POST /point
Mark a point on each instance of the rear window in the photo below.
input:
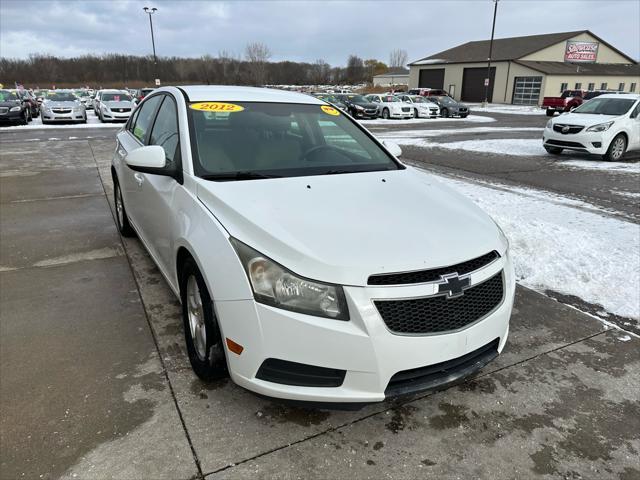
(280, 140)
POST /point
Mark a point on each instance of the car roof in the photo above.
(634, 96)
(220, 93)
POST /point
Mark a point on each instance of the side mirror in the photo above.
(147, 159)
(393, 148)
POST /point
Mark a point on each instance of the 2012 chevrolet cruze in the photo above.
(311, 264)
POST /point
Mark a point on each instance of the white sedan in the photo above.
(390, 106)
(422, 107)
(608, 125)
(275, 218)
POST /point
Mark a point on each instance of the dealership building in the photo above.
(526, 69)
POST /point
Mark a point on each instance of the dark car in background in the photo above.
(450, 107)
(141, 93)
(332, 99)
(358, 106)
(27, 97)
(13, 109)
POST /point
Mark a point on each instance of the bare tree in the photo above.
(355, 69)
(398, 58)
(320, 72)
(257, 55)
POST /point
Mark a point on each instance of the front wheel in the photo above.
(616, 149)
(464, 115)
(415, 113)
(201, 329)
(121, 213)
(445, 112)
(24, 119)
(385, 114)
(553, 150)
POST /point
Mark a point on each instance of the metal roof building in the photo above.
(526, 69)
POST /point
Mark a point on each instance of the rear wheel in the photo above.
(121, 213)
(415, 113)
(385, 114)
(553, 150)
(24, 119)
(201, 329)
(550, 113)
(445, 112)
(616, 149)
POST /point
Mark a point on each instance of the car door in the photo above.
(634, 120)
(129, 139)
(155, 206)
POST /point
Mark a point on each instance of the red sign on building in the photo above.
(585, 52)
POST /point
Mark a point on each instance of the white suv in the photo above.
(390, 106)
(608, 125)
(275, 218)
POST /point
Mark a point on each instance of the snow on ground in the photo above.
(506, 108)
(422, 133)
(558, 245)
(502, 146)
(621, 167)
(36, 124)
(413, 121)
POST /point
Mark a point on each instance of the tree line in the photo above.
(253, 68)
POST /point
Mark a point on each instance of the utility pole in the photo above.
(488, 79)
(151, 11)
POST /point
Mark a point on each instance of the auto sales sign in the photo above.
(584, 52)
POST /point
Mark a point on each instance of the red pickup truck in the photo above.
(566, 102)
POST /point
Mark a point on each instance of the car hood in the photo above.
(62, 104)
(112, 104)
(10, 103)
(584, 119)
(344, 228)
(366, 105)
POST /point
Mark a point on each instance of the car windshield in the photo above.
(61, 97)
(390, 99)
(81, 93)
(606, 106)
(7, 96)
(358, 99)
(266, 140)
(447, 100)
(115, 97)
(419, 100)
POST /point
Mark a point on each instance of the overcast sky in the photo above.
(299, 30)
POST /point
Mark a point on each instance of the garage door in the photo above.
(431, 78)
(526, 90)
(473, 84)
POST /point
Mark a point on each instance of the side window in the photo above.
(132, 122)
(144, 117)
(165, 129)
(636, 111)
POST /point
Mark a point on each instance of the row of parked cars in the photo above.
(416, 103)
(21, 106)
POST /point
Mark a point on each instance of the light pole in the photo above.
(488, 79)
(151, 11)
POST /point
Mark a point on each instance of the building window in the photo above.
(526, 90)
(563, 87)
(621, 87)
(592, 86)
(578, 86)
(603, 86)
(632, 88)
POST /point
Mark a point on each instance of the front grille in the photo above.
(562, 143)
(299, 374)
(121, 110)
(441, 374)
(437, 314)
(4, 110)
(371, 111)
(406, 109)
(560, 128)
(61, 110)
(462, 109)
(424, 276)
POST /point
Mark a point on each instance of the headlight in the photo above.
(274, 285)
(601, 127)
(104, 107)
(549, 124)
(358, 107)
(15, 109)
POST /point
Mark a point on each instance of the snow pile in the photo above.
(501, 146)
(620, 167)
(413, 121)
(508, 109)
(422, 133)
(558, 245)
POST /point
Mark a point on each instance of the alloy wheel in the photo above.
(119, 206)
(197, 327)
(617, 149)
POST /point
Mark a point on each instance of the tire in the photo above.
(464, 115)
(385, 113)
(201, 330)
(415, 113)
(553, 150)
(24, 120)
(550, 113)
(122, 221)
(445, 112)
(617, 149)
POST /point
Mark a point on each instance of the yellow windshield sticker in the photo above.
(216, 107)
(329, 110)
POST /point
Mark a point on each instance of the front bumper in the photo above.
(363, 346)
(11, 116)
(51, 116)
(428, 112)
(400, 114)
(588, 142)
(111, 115)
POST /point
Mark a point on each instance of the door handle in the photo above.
(139, 179)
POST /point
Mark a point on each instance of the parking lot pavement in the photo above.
(560, 401)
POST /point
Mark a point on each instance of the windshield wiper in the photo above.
(244, 175)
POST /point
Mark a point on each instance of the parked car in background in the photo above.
(141, 93)
(114, 105)
(84, 97)
(63, 106)
(358, 106)
(13, 109)
(390, 106)
(450, 107)
(275, 220)
(28, 97)
(422, 107)
(428, 92)
(95, 102)
(608, 125)
(40, 94)
(566, 102)
(333, 100)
